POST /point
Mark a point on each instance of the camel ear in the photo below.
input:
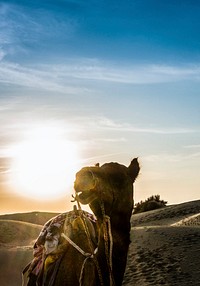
(134, 169)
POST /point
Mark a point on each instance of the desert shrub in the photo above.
(151, 203)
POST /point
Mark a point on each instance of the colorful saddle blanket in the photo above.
(50, 246)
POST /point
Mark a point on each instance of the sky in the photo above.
(92, 81)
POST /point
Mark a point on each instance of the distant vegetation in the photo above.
(152, 203)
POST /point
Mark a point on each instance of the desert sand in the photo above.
(164, 249)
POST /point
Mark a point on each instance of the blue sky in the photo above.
(120, 79)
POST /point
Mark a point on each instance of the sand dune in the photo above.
(165, 247)
(16, 241)
(168, 215)
(17, 233)
(164, 256)
(32, 217)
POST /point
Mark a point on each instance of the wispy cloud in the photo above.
(94, 69)
(137, 74)
(15, 74)
(4, 165)
(99, 157)
(21, 28)
(194, 146)
(73, 76)
(107, 123)
(164, 157)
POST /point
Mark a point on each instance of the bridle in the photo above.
(108, 240)
(107, 232)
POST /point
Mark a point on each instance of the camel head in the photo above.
(110, 184)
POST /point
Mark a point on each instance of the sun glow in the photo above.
(45, 164)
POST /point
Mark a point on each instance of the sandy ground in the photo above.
(165, 247)
(16, 242)
(12, 261)
(164, 256)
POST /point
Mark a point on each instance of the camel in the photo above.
(96, 252)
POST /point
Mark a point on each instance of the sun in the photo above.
(44, 164)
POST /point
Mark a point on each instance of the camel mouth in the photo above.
(86, 197)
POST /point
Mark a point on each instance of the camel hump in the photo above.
(80, 222)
